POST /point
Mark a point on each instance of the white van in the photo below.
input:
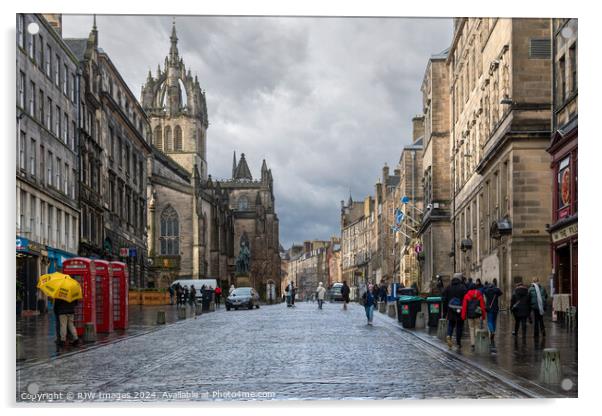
(198, 283)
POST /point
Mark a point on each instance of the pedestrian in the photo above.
(369, 300)
(186, 293)
(452, 303)
(179, 295)
(473, 311)
(231, 289)
(218, 294)
(289, 294)
(66, 311)
(320, 292)
(293, 294)
(345, 294)
(383, 291)
(192, 296)
(171, 294)
(520, 308)
(492, 295)
(479, 286)
(537, 301)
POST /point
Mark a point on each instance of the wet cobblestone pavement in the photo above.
(269, 353)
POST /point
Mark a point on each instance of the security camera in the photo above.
(429, 206)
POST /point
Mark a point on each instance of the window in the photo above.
(178, 139)
(49, 113)
(32, 157)
(112, 194)
(112, 142)
(21, 89)
(57, 71)
(22, 151)
(41, 52)
(120, 155)
(21, 30)
(65, 79)
(170, 232)
(84, 218)
(32, 216)
(50, 169)
(32, 99)
(168, 142)
(73, 88)
(73, 134)
(66, 180)
(65, 128)
(243, 203)
(42, 163)
(43, 230)
(59, 226)
(158, 138)
(41, 106)
(31, 47)
(67, 224)
(562, 80)
(21, 209)
(57, 122)
(50, 224)
(127, 159)
(573, 62)
(73, 182)
(47, 59)
(59, 173)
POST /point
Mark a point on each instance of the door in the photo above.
(574, 273)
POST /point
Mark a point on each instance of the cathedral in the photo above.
(196, 226)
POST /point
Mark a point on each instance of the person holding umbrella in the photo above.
(66, 312)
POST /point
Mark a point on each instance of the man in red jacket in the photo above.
(218, 294)
(473, 309)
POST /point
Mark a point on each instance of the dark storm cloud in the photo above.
(326, 101)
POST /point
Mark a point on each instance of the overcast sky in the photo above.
(326, 101)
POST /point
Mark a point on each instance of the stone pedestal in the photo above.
(182, 313)
(551, 372)
(392, 310)
(442, 329)
(482, 341)
(89, 333)
(19, 352)
(382, 307)
(160, 317)
(420, 320)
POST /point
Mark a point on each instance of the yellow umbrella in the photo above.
(60, 286)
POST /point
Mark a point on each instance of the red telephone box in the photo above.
(104, 296)
(120, 295)
(83, 270)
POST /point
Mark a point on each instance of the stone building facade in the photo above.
(47, 100)
(435, 228)
(564, 151)
(500, 83)
(357, 228)
(309, 267)
(190, 224)
(410, 186)
(114, 149)
(255, 221)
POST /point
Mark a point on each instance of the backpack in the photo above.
(473, 308)
(455, 305)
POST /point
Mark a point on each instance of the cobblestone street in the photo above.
(269, 353)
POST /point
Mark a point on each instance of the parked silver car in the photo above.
(243, 297)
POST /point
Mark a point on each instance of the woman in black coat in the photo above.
(520, 308)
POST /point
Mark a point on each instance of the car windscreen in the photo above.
(244, 291)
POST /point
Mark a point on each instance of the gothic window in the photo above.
(158, 138)
(178, 139)
(243, 203)
(170, 232)
(168, 140)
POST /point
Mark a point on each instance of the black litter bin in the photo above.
(407, 309)
(434, 304)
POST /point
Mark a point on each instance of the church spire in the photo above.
(173, 50)
(234, 164)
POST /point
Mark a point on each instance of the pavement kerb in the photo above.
(99, 344)
(531, 392)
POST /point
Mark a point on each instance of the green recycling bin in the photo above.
(407, 309)
(434, 307)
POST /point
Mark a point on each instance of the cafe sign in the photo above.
(565, 232)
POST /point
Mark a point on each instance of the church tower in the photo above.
(177, 112)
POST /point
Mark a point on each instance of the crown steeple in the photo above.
(173, 50)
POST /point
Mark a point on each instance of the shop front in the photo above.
(28, 262)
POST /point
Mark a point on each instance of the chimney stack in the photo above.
(417, 128)
(56, 21)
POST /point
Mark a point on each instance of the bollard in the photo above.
(20, 353)
(382, 307)
(442, 329)
(160, 317)
(482, 341)
(89, 332)
(392, 310)
(551, 372)
(182, 313)
(420, 320)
